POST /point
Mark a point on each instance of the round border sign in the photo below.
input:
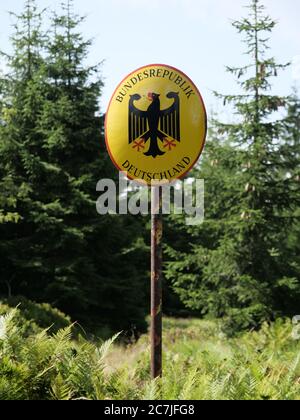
(155, 125)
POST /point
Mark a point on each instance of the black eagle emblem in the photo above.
(154, 124)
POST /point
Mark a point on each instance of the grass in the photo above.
(199, 363)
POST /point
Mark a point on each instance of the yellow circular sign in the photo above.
(156, 124)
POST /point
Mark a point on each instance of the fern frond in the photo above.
(60, 390)
(151, 392)
(293, 368)
(102, 352)
(5, 323)
(188, 386)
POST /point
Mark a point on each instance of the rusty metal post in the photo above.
(156, 281)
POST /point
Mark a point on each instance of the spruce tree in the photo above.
(292, 137)
(292, 155)
(62, 251)
(237, 266)
(22, 157)
(98, 276)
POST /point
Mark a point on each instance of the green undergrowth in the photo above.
(199, 363)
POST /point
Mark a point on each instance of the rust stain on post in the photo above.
(156, 282)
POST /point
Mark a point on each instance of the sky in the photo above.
(195, 36)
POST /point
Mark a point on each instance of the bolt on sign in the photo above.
(156, 125)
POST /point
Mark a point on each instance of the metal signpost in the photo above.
(156, 281)
(155, 130)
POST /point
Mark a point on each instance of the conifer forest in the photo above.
(75, 285)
